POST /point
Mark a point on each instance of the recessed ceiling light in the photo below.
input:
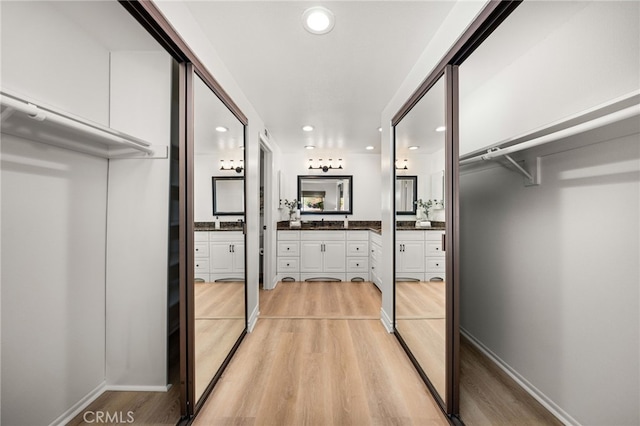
(309, 147)
(441, 129)
(318, 20)
(307, 128)
(412, 148)
(369, 148)
(221, 129)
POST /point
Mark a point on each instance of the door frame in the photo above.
(269, 279)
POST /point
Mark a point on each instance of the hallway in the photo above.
(312, 363)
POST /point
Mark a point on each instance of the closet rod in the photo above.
(41, 114)
(570, 131)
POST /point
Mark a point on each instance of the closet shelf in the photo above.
(617, 110)
(47, 125)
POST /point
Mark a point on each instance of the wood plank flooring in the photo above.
(310, 362)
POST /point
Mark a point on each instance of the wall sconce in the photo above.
(238, 169)
(402, 168)
(325, 168)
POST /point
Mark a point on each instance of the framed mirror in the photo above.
(228, 195)
(325, 194)
(406, 194)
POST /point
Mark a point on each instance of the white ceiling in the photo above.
(339, 82)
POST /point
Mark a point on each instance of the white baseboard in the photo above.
(134, 388)
(386, 321)
(553, 408)
(253, 319)
(77, 408)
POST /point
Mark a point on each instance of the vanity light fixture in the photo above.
(369, 148)
(222, 129)
(318, 20)
(379, 129)
(441, 129)
(413, 148)
(402, 168)
(307, 128)
(325, 168)
(238, 169)
(309, 147)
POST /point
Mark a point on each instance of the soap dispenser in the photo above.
(217, 223)
(346, 222)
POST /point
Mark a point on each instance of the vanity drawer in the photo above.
(358, 264)
(201, 236)
(322, 235)
(226, 236)
(434, 235)
(201, 250)
(434, 248)
(288, 235)
(357, 235)
(288, 264)
(288, 248)
(435, 265)
(201, 266)
(357, 248)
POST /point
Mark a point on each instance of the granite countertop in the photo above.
(224, 226)
(358, 225)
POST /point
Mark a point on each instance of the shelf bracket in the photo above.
(531, 176)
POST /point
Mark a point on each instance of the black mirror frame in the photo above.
(336, 177)
(213, 195)
(414, 207)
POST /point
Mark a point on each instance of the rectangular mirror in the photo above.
(325, 194)
(228, 195)
(406, 194)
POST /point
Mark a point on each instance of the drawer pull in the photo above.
(287, 264)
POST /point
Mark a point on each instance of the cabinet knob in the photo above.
(197, 249)
(287, 264)
(357, 248)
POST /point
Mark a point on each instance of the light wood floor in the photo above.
(310, 362)
(219, 321)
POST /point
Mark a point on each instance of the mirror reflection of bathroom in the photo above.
(219, 287)
(420, 257)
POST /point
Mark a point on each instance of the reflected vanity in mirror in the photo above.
(420, 281)
(406, 194)
(219, 242)
(228, 195)
(325, 194)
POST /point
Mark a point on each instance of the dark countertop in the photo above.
(357, 225)
(224, 226)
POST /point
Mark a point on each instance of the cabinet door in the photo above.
(412, 256)
(310, 256)
(237, 250)
(221, 257)
(334, 256)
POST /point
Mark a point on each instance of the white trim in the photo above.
(562, 415)
(77, 408)
(386, 321)
(253, 319)
(134, 388)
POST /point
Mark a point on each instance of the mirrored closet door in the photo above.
(218, 314)
(420, 267)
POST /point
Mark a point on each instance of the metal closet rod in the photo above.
(569, 131)
(38, 113)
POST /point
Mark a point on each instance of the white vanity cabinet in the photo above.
(219, 255)
(322, 255)
(435, 256)
(374, 258)
(358, 256)
(288, 256)
(410, 255)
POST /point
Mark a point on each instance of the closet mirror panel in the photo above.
(219, 285)
(420, 257)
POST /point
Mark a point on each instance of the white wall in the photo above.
(549, 61)
(424, 166)
(53, 278)
(53, 60)
(550, 278)
(365, 169)
(456, 22)
(137, 225)
(182, 20)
